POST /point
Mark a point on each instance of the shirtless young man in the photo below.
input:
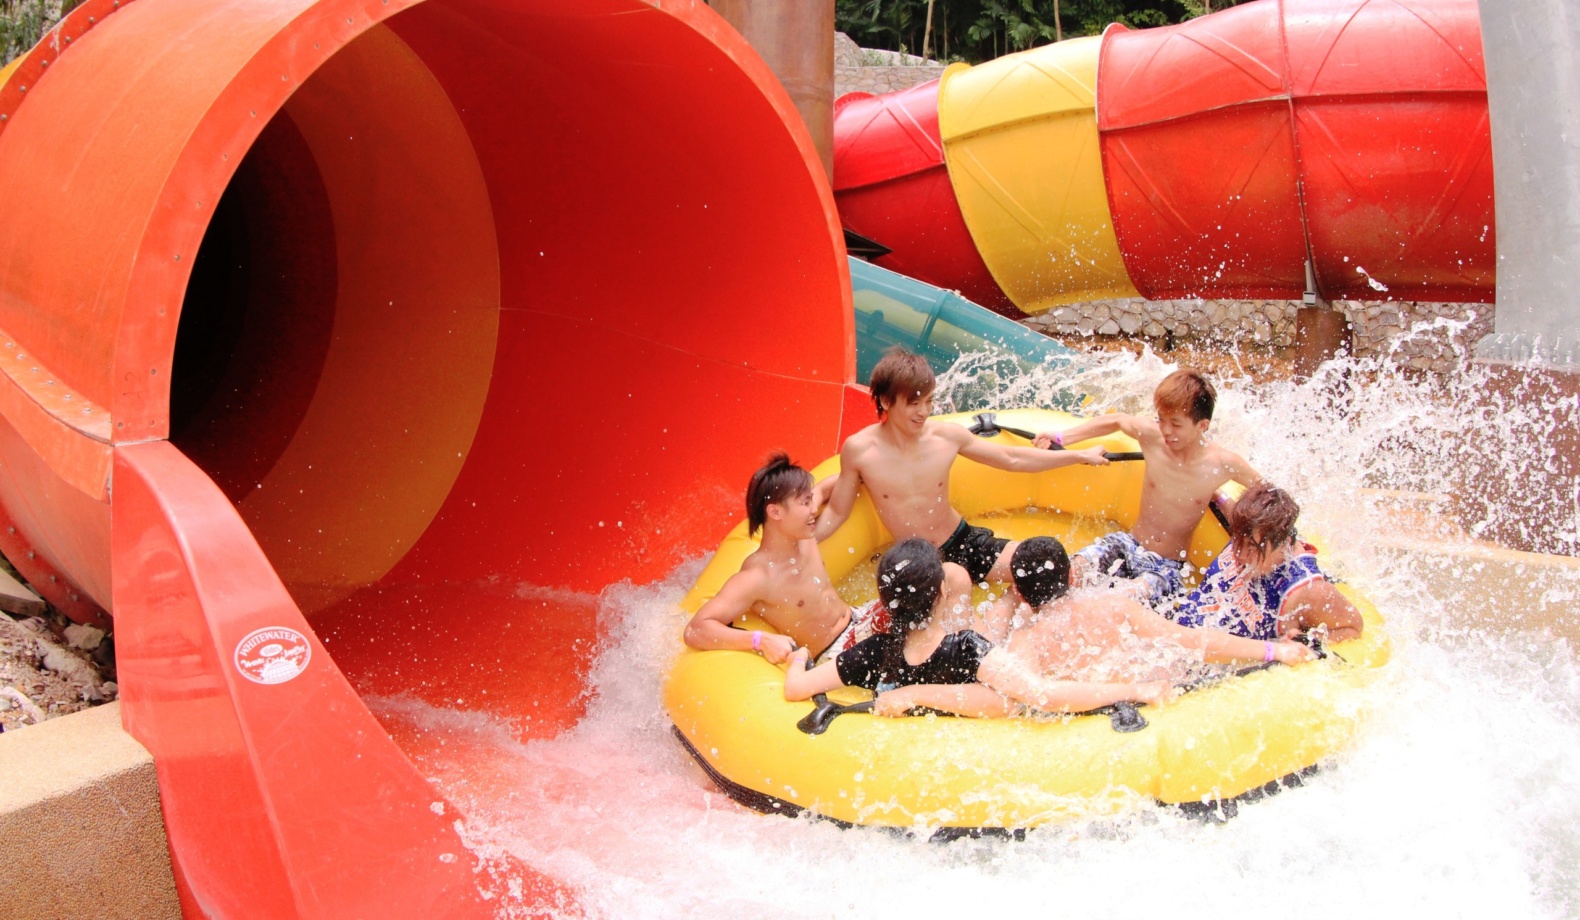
(1101, 637)
(1183, 472)
(784, 582)
(904, 462)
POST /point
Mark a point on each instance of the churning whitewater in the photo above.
(1457, 799)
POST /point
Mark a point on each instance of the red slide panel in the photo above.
(356, 345)
(1355, 130)
(1198, 149)
(892, 187)
(279, 744)
(1395, 147)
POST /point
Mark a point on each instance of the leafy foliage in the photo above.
(24, 22)
(979, 30)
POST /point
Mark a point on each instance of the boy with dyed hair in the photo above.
(904, 461)
(1183, 471)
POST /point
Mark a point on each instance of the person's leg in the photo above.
(1102, 563)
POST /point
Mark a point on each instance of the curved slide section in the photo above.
(1209, 159)
(300, 352)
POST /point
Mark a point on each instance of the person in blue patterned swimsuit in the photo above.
(1266, 584)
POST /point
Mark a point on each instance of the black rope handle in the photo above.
(985, 425)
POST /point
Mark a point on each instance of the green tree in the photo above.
(24, 22)
(979, 30)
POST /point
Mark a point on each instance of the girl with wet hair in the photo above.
(929, 657)
(932, 659)
(1266, 584)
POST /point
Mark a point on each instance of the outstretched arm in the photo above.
(1317, 603)
(978, 701)
(1093, 428)
(1216, 646)
(1019, 459)
(801, 684)
(1007, 674)
(710, 628)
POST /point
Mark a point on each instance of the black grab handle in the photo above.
(825, 711)
(985, 425)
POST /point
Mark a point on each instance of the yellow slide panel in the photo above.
(1020, 140)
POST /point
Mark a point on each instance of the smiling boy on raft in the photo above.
(785, 582)
(1183, 473)
(904, 461)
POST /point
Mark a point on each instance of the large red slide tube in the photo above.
(331, 330)
(1235, 147)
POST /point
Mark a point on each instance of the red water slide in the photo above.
(331, 330)
(1233, 148)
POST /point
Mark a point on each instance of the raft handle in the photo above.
(825, 711)
(985, 425)
(1126, 718)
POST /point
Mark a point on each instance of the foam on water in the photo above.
(1457, 799)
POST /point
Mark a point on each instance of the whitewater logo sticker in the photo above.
(273, 655)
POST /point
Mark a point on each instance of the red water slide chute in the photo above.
(1234, 147)
(342, 327)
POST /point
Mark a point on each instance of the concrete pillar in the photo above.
(1532, 50)
(1533, 69)
(796, 38)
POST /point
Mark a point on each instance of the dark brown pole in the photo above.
(796, 38)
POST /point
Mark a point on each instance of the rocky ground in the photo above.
(50, 667)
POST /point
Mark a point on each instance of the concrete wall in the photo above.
(81, 832)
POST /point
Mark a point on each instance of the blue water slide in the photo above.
(939, 325)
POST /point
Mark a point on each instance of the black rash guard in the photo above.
(868, 663)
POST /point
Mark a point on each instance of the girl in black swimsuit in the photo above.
(918, 650)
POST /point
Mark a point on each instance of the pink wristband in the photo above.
(1058, 438)
(757, 644)
(1268, 654)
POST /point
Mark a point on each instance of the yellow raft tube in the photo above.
(1209, 746)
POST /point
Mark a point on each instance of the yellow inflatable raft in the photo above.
(1213, 745)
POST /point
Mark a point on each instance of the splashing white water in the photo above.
(1456, 801)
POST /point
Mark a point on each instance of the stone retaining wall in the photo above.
(1379, 327)
(862, 70)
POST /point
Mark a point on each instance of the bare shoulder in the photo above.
(754, 572)
(949, 433)
(1223, 458)
(1102, 604)
(1144, 430)
(857, 448)
(860, 442)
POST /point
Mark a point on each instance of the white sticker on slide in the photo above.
(273, 655)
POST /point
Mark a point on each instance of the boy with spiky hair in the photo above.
(1183, 472)
(785, 582)
(904, 462)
